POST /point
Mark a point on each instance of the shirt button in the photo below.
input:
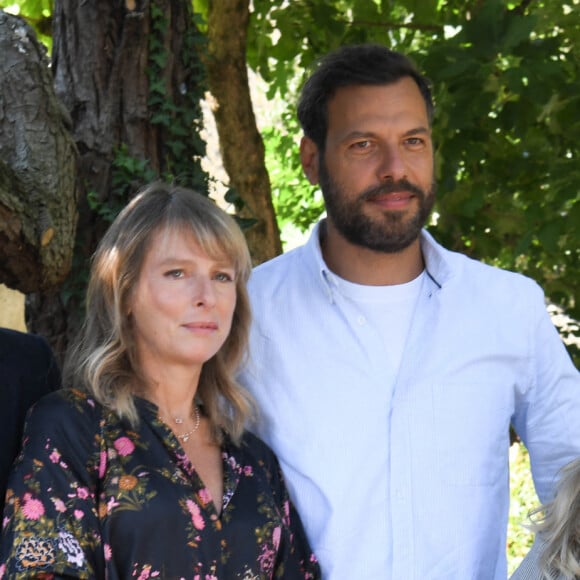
(361, 320)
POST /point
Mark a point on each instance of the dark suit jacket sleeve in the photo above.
(28, 371)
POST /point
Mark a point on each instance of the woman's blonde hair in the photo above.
(558, 523)
(105, 361)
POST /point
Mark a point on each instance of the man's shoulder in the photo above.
(459, 268)
(488, 274)
(15, 341)
(28, 359)
(279, 263)
(285, 268)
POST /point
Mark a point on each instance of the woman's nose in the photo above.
(204, 292)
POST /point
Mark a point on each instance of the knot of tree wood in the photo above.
(45, 226)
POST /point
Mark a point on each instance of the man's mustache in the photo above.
(399, 186)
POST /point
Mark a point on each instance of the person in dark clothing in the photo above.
(28, 370)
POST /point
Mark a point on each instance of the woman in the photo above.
(555, 554)
(144, 469)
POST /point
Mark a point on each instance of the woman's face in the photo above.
(183, 303)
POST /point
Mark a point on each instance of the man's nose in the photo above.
(392, 164)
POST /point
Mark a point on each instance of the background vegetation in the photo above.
(505, 76)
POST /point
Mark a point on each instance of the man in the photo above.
(388, 369)
(28, 370)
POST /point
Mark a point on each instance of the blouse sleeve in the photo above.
(51, 526)
(295, 559)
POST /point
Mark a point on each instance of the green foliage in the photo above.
(38, 13)
(507, 132)
(523, 499)
(129, 173)
(293, 197)
(179, 117)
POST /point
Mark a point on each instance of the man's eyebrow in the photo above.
(417, 131)
(369, 134)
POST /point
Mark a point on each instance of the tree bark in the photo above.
(37, 169)
(241, 144)
(100, 67)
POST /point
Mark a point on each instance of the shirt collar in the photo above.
(322, 272)
(437, 261)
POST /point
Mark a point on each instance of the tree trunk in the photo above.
(102, 55)
(37, 166)
(241, 144)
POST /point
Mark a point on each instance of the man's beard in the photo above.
(390, 232)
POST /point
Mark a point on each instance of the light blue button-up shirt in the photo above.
(409, 480)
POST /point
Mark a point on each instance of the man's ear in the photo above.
(309, 158)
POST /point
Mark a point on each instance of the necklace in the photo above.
(179, 421)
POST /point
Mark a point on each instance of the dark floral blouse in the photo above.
(89, 497)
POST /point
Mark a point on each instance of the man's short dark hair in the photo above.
(363, 64)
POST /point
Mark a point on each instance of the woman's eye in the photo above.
(174, 274)
(224, 277)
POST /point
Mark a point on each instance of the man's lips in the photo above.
(393, 200)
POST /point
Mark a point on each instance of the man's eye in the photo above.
(362, 144)
(414, 141)
(174, 273)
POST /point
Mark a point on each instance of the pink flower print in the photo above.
(54, 456)
(248, 472)
(145, 572)
(124, 446)
(102, 464)
(286, 516)
(59, 505)
(2, 570)
(266, 558)
(32, 508)
(79, 515)
(196, 516)
(111, 504)
(276, 534)
(204, 495)
(83, 492)
(5, 522)
(108, 552)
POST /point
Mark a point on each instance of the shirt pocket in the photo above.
(471, 423)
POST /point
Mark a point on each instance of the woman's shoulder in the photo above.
(66, 413)
(71, 402)
(256, 451)
(254, 444)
